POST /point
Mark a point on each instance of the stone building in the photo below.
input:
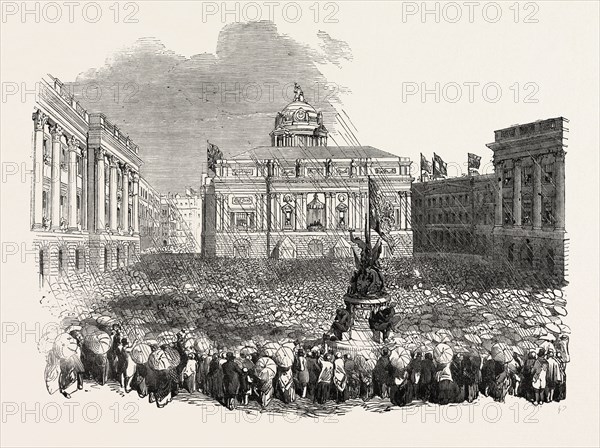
(85, 202)
(299, 197)
(516, 214)
(529, 225)
(150, 210)
(454, 215)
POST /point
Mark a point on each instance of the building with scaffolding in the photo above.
(299, 197)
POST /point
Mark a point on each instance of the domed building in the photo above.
(299, 197)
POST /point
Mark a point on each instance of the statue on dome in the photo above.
(298, 93)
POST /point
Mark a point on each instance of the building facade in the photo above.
(516, 214)
(85, 202)
(454, 215)
(150, 230)
(299, 197)
(529, 227)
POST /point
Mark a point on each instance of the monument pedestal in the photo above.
(360, 337)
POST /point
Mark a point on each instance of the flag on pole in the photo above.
(381, 213)
(440, 168)
(425, 165)
(213, 153)
(474, 161)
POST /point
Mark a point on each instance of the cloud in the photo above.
(170, 104)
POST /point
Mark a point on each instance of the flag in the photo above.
(213, 153)
(381, 213)
(474, 161)
(440, 168)
(425, 165)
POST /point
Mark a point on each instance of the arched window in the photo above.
(315, 248)
(527, 254)
(118, 257)
(510, 253)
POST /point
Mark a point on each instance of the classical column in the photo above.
(274, 212)
(56, 132)
(517, 193)
(37, 215)
(226, 214)
(498, 206)
(112, 192)
(100, 190)
(125, 199)
(537, 193)
(402, 223)
(559, 189)
(72, 183)
(408, 211)
(135, 209)
(84, 199)
(219, 212)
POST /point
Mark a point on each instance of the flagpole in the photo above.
(421, 165)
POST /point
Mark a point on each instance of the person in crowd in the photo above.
(313, 373)
(71, 370)
(111, 355)
(540, 369)
(554, 375)
(265, 387)
(340, 378)
(472, 376)
(400, 389)
(457, 366)
(427, 378)
(205, 370)
(488, 377)
(200, 372)
(413, 370)
(322, 391)
(215, 378)
(515, 367)
(139, 382)
(527, 377)
(246, 385)
(561, 390)
(231, 380)
(285, 385)
(302, 375)
(382, 374)
(353, 377)
(188, 374)
(80, 370)
(501, 383)
(342, 323)
(381, 323)
(125, 365)
(444, 389)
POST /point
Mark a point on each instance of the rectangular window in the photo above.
(548, 172)
(526, 212)
(547, 212)
(527, 175)
(507, 177)
(507, 208)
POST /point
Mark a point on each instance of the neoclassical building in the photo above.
(299, 197)
(516, 214)
(85, 201)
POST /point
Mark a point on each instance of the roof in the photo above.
(312, 152)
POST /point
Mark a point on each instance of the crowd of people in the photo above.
(289, 370)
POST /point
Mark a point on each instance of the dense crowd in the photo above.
(161, 366)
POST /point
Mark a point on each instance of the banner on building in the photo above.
(440, 168)
(213, 153)
(474, 161)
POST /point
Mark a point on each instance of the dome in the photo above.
(299, 124)
(298, 112)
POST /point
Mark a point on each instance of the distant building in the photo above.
(516, 214)
(299, 197)
(187, 213)
(150, 209)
